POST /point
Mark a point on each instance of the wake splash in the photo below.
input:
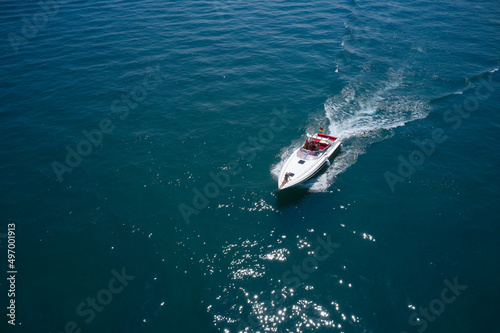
(361, 116)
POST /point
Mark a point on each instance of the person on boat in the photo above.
(287, 178)
(306, 145)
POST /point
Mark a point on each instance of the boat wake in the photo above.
(361, 116)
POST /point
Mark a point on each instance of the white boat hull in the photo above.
(302, 165)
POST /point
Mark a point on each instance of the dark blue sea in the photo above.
(141, 142)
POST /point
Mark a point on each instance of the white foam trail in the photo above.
(361, 117)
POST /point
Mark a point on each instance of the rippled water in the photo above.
(145, 139)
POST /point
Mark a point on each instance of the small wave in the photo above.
(481, 76)
(447, 95)
(471, 84)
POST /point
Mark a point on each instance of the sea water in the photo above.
(141, 143)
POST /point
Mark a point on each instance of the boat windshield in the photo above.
(309, 155)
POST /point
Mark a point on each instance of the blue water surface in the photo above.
(141, 144)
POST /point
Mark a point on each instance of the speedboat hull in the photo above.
(305, 162)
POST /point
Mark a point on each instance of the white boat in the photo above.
(308, 160)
